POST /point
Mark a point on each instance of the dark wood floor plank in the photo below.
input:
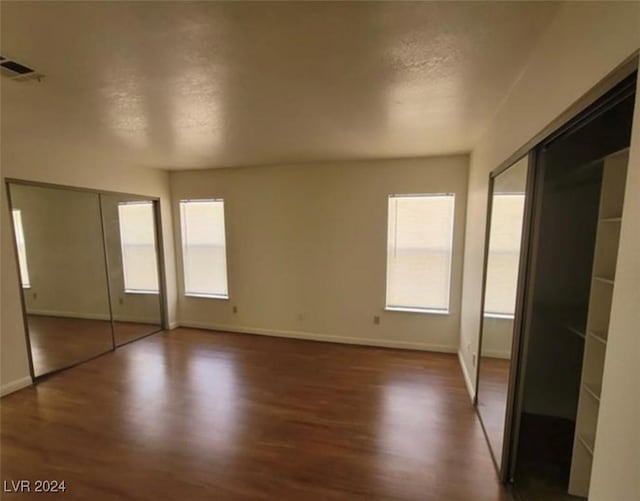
(193, 415)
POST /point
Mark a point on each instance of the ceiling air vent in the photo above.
(17, 71)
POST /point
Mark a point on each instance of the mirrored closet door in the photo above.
(88, 266)
(502, 265)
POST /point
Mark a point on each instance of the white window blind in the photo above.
(138, 247)
(419, 248)
(22, 251)
(204, 251)
(505, 235)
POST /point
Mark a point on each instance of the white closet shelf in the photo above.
(598, 336)
(603, 274)
(604, 280)
(611, 219)
(587, 441)
(575, 330)
(593, 389)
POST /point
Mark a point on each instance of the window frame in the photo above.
(202, 295)
(498, 314)
(23, 262)
(122, 252)
(413, 309)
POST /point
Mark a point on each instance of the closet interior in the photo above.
(578, 201)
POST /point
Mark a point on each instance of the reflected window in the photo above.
(504, 254)
(22, 251)
(204, 253)
(419, 251)
(137, 240)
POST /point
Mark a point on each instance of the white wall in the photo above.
(67, 166)
(306, 249)
(582, 45)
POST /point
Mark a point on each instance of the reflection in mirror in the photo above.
(62, 270)
(130, 237)
(501, 279)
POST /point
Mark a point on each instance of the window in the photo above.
(138, 247)
(504, 255)
(204, 251)
(419, 248)
(22, 251)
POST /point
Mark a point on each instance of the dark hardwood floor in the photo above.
(197, 415)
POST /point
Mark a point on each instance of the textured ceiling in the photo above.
(191, 85)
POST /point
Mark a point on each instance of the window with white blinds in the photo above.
(22, 251)
(138, 247)
(503, 258)
(419, 252)
(204, 251)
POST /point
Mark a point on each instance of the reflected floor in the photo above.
(126, 332)
(492, 398)
(57, 342)
(199, 415)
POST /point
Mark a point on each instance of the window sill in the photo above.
(207, 296)
(431, 311)
(134, 291)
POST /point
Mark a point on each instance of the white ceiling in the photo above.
(191, 85)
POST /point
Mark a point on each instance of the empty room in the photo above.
(320, 250)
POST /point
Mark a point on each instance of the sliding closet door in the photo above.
(58, 236)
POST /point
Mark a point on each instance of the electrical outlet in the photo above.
(235, 309)
(376, 320)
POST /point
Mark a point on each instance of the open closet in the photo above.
(566, 282)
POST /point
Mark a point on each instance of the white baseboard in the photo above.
(136, 320)
(94, 316)
(313, 336)
(173, 325)
(16, 385)
(467, 379)
(70, 314)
